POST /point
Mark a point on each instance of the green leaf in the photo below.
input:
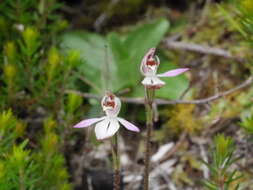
(92, 50)
(142, 39)
(124, 56)
(120, 56)
(210, 185)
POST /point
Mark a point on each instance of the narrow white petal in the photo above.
(106, 128)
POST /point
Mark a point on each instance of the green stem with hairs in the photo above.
(116, 163)
(149, 97)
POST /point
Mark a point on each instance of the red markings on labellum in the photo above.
(109, 104)
(109, 100)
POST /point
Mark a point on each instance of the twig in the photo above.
(171, 102)
(205, 158)
(200, 49)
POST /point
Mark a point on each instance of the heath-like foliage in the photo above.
(223, 177)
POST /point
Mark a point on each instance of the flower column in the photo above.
(151, 82)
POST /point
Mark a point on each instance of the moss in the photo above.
(180, 119)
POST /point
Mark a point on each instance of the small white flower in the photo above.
(108, 125)
(148, 68)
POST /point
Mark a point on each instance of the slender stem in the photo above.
(21, 179)
(106, 70)
(149, 97)
(116, 163)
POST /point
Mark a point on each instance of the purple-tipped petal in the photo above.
(128, 125)
(87, 122)
(173, 73)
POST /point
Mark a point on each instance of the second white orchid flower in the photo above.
(148, 68)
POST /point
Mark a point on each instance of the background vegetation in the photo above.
(57, 58)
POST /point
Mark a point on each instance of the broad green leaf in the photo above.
(124, 56)
(140, 40)
(120, 55)
(93, 50)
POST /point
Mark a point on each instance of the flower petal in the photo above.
(153, 82)
(173, 73)
(106, 128)
(87, 122)
(128, 125)
(149, 54)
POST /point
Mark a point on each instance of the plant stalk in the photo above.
(116, 163)
(149, 97)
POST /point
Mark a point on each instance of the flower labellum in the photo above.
(108, 125)
(148, 68)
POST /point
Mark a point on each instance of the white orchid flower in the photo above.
(108, 125)
(148, 68)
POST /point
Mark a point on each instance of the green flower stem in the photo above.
(116, 163)
(149, 97)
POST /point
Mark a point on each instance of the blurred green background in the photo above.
(53, 51)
